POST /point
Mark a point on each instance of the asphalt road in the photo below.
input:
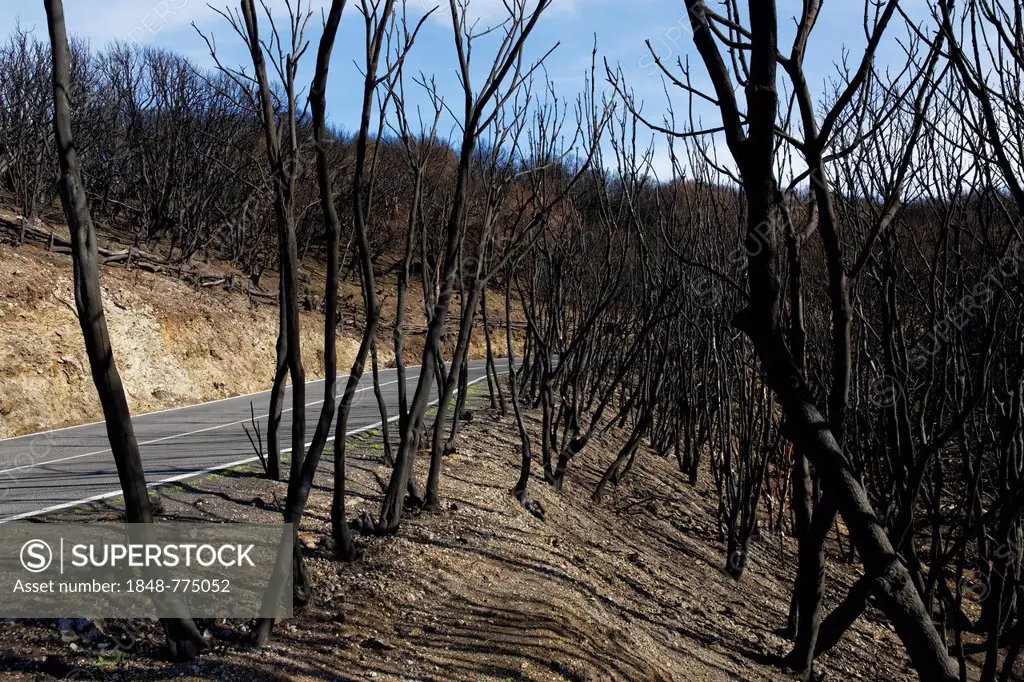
(63, 468)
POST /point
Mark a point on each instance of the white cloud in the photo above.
(486, 12)
(102, 21)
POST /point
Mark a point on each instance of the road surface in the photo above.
(51, 470)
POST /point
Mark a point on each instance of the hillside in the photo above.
(759, 280)
(629, 589)
(175, 343)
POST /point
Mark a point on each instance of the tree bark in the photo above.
(183, 638)
(277, 395)
(753, 148)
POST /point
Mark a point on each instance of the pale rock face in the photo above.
(173, 345)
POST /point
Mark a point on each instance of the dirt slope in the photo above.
(174, 344)
(628, 589)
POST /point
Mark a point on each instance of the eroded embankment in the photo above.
(174, 344)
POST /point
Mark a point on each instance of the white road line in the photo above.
(171, 437)
(186, 407)
(146, 414)
(202, 472)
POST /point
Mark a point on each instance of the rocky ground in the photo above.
(626, 589)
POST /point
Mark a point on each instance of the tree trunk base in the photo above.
(432, 503)
(528, 504)
(184, 641)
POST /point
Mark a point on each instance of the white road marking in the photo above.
(171, 437)
(146, 414)
(186, 407)
(202, 472)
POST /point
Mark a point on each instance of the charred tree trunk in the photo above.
(493, 377)
(183, 638)
(344, 546)
(277, 395)
(752, 147)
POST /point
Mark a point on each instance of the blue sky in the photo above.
(621, 27)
